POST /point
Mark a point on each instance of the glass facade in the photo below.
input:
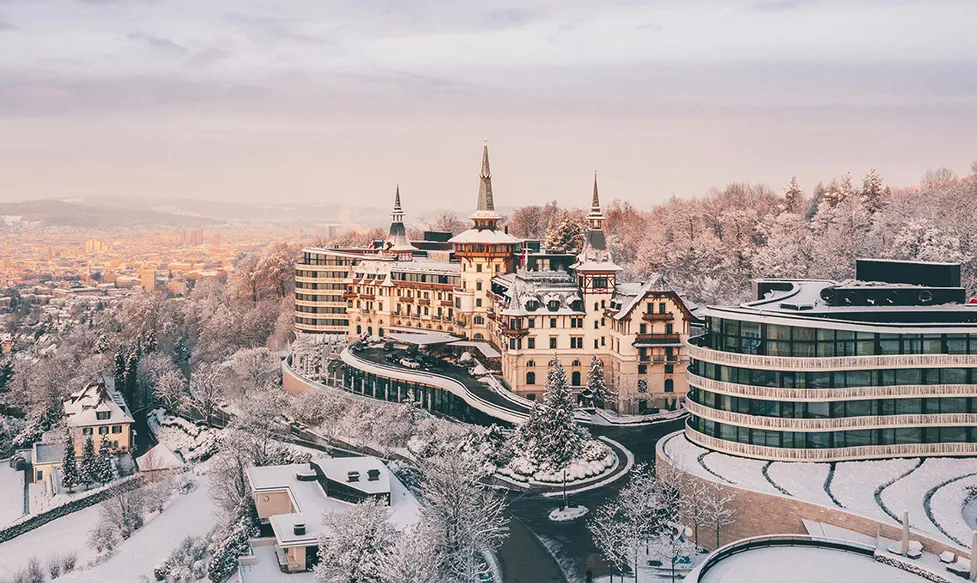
(760, 338)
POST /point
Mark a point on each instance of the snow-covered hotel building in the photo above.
(526, 304)
(884, 365)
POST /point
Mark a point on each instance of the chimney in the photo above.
(373, 475)
(353, 476)
(299, 528)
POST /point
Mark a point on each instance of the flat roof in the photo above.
(804, 565)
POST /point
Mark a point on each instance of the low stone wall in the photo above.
(30, 523)
(759, 514)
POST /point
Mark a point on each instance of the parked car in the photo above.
(388, 346)
(409, 363)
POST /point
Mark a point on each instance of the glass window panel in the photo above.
(817, 410)
(819, 439)
(825, 335)
(731, 327)
(858, 408)
(931, 435)
(773, 438)
(912, 344)
(819, 379)
(956, 343)
(778, 348)
(909, 376)
(909, 435)
(804, 349)
(826, 349)
(952, 404)
(750, 329)
(889, 343)
(858, 378)
(888, 378)
(775, 332)
(931, 406)
(858, 438)
(909, 406)
(727, 432)
(837, 409)
(844, 335)
(865, 347)
(953, 376)
(804, 334)
(953, 434)
(932, 344)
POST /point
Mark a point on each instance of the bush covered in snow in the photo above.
(595, 459)
(185, 564)
(232, 542)
(194, 442)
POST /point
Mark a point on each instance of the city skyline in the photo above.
(336, 102)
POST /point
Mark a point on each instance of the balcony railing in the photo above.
(829, 454)
(831, 363)
(405, 300)
(830, 394)
(657, 316)
(828, 423)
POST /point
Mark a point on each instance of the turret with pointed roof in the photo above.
(485, 229)
(594, 256)
(397, 241)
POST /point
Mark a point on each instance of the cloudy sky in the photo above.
(337, 100)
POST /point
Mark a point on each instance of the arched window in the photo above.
(596, 306)
(530, 363)
(479, 320)
(669, 386)
(530, 378)
(575, 378)
(359, 329)
(576, 362)
(479, 336)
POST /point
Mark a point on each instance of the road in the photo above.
(573, 546)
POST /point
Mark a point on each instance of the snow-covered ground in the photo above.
(805, 481)
(745, 473)
(947, 505)
(180, 435)
(189, 514)
(908, 494)
(855, 483)
(11, 494)
(63, 536)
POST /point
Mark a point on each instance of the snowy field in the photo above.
(941, 484)
(65, 535)
(11, 494)
(188, 515)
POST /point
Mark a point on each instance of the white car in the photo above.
(409, 363)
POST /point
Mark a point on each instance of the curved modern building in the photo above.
(884, 365)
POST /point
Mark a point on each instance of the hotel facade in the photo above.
(884, 365)
(528, 304)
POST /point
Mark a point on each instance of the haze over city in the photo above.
(323, 101)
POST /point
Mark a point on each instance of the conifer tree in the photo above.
(595, 381)
(873, 193)
(89, 462)
(793, 197)
(103, 462)
(69, 466)
(563, 436)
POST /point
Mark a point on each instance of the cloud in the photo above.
(5, 26)
(158, 43)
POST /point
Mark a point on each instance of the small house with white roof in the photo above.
(292, 499)
(98, 411)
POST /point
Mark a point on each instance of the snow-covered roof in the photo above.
(47, 453)
(540, 287)
(160, 458)
(83, 407)
(422, 339)
(310, 501)
(487, 236)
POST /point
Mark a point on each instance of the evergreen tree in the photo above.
(120, 370)
(89, 463)
(595, 381)
(793, 197)
(131, 377)
(234, 542)
(566, 233)
(873, 193)
(103, 462)
(69, 466)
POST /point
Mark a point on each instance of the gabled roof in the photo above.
(82, 407)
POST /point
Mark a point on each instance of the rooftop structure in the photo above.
(97, 411)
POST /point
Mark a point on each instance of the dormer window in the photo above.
(102, 415)
(553, 305)
(532, 305)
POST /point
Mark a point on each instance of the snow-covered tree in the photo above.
(276, 268)
(69, 466)
(923, 241)
(566, 233)
(413, 557)
(793, 197)
(595, 381)
(466, 517)
(253, 369)
(231, 542)
(873, 192)
(356, 543)
(208, 385)
(448, 221)
(693, 505)
(787, 251)
(103, 472)
(718, 509)
(88, 473)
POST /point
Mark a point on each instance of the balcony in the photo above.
(658, 316)
(645, 340)
(405, 300)
(514, 332)
(349, 295)
(424, 302)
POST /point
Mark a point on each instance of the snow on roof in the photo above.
(160, 458)
(484, 347)
(47, 453)
(310, 501)
(488, 236)
(83, 406)
(422, 339)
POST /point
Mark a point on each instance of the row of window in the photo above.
(102, 430)
(318, 259)
(321, 274)
(319, 298)
(575, 322)
(320, 309)
(339, 286)
(834, 409)
(834, 379)
(833, 439)
(452, 280)
(334, 322)
(777, 340)
(576, 342)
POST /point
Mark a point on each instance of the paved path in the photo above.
(525, 560)
(27, 490)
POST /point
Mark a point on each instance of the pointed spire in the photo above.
(595, 204)
(397, 199)
(485, 216)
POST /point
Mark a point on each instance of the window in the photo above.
(669, 386)
(115, 444)
(575, 378)
(116, 429)
(530, 378)
(530, 363)
(669, 368)
(478, 285)
(552, 341)
(478, 302)
(576, 362)
(552, 322)
(479, 320)
(596, 344)
(530, 343)
(102, 415)
(642, 329)
(642, 369)
(576, 342)
(86, 430)
(661, 307)
(478, 268)
(669, 328)
(553, 305)
(596, 325)
(103, 430)
(532, 322)
(40, 475)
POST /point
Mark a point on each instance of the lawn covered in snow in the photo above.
(65, 535)
(855, 483)
(745, 473)
(11, 494)
(947, 504)
(909, 493)
(802, 480)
